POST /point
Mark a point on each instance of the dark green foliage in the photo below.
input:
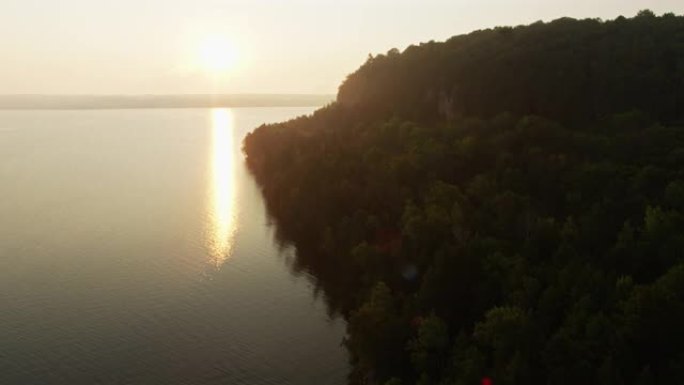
(509, 203)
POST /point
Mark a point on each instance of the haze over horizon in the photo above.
(236, 47)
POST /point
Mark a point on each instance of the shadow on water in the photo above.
(332, 280)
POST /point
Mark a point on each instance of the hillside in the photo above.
(506, 204)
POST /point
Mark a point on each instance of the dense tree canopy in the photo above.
(506, 204)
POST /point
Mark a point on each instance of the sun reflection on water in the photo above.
(222, 207)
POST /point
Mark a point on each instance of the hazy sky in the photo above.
(280, 46)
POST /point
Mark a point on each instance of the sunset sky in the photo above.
(258, 46)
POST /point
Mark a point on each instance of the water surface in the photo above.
(135, 249)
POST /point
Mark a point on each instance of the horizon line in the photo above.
(179, 94)
(117, 101)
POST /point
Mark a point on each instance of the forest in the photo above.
(507, 204)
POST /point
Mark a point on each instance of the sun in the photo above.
(218, 56)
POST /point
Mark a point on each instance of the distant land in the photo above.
(66, 102)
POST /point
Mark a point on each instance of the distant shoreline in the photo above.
(101, 102)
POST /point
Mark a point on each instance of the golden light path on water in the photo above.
(222, 210)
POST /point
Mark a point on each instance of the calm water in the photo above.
(135, 249)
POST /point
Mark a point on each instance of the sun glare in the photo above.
(218, 56)
(222, 209)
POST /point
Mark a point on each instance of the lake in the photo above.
(135, 249)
